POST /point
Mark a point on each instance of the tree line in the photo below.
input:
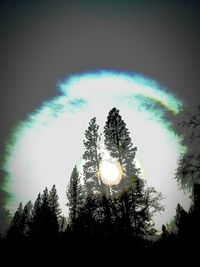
(104, 214)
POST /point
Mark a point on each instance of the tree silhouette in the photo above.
(15, 230)
(102, 214)
(26, 219)
(53, 202)
(75, 197)
(92, 158)
(36, 217)
(136, 204)
(44, 224)
(119, 145)
(194, 213)
(188, 171)
(181, 219)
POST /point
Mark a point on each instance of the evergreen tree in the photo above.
(74, 196)
(136, 204)
(181, 219)
(18, 232)
(194, 213)
(26, 218)
(44, 224)
(119, 145)
(36, 215)
(15, 230)
(164, 234)
(49, 222)
(36, 223)
(92, 158)
(53, 202)
(37, 205)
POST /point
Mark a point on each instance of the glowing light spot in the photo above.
(110, 172)
(45, 147)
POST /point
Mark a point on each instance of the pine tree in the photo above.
(44, 224)
(37, 205)
(92, 158)
(181, 221)
(164, 234)
(119, 145)
(16, 230)
(36, 216)
(26, 218)
(19, 228)
(75, 196)
(93, 210)
(135, 204)
(49, 222)
(53, 202)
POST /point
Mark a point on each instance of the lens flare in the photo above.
(44, 148)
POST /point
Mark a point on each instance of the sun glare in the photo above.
(45, 147)
(110, 172)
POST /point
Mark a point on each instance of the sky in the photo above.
(46, 146)
(42, 42)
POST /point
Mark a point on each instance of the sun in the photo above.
(110, 172)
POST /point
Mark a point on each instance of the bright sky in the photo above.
(45, 147)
